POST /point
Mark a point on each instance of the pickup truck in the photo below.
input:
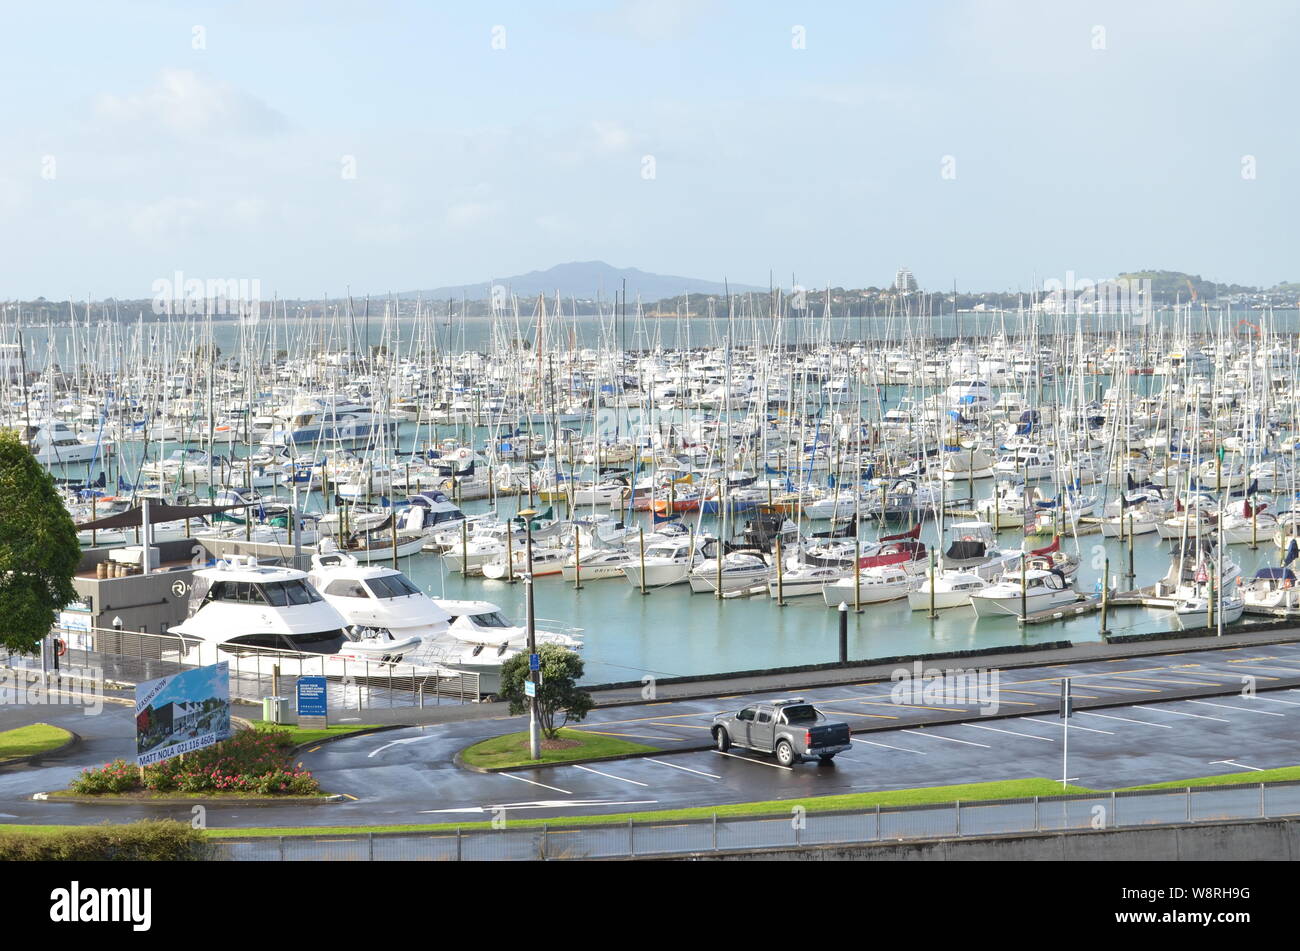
(792, 729)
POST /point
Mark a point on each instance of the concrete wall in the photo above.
(143, 602)
(1254, 840)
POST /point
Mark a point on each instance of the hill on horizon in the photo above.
(585, 280)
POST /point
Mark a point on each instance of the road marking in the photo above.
(1170, 680)
(901, 749)
(915, 706)
(1062, 724)
(1180, 713)
(680, 726)
(1138, 689)
(1032, 736)
(1289, 703)
(611, 776)
(409, 739)
(1289, 670)
(315, 748)
(1106, 716)
(1224, 706)
(758, 761)
(545, 804)
(1238, 765)
(640, 736)
(1035, 693)
(532, 783)
(948, 738)
(353, 798)
(1232, 676)
(697, 772)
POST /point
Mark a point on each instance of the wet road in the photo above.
(1126, 732)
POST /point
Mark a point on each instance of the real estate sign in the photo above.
(181, 713)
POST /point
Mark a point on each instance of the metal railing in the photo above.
(128, 658)
(1097, 811)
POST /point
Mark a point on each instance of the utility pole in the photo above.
(534, 674)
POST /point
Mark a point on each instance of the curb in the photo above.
(460, 763)
(1156, 650)
(347, 736)
(1078, 706)
(73, 740)
(196, 801)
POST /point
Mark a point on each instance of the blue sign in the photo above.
(312, 699)
(534, 661)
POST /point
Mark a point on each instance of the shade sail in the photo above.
(158, 513)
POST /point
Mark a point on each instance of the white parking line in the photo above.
(1061, 723)
(1224, 706)
(1162, 726)
(758, 761)
(1032, 736)
(611, 776)
(684, 768)
(1238, 765)
(531, 783)
(901, 749)
(950, 739)
(1289, 703)
(1180, 713)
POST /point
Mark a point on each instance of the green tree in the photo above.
(558, 692)
(39, 551)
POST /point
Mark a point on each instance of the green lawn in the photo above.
(28, 740)
(971, 792)
(512, 750)
(300, 735)
(1281, 774)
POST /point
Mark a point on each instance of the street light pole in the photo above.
(534, 742)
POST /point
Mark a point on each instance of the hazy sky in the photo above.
(390, 146)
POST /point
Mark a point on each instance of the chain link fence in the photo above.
(558, 841)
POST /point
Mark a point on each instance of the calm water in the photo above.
(115, 343)
(674, 632)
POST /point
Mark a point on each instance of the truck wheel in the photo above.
(826, 760)
(785, 754)
(721, 741)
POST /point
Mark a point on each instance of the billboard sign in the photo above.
(182, 713)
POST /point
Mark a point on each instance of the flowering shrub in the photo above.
(250, 761)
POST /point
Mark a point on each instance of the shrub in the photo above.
(150, 840)
(250, 761)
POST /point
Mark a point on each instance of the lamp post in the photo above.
(534, 741)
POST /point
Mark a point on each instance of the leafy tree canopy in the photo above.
(39, 551)
(558, 692)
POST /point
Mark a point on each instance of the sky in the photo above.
(323, 146)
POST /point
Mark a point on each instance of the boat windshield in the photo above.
(281, 594)
(491, 619)
(391, 586)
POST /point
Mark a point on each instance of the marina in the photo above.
(684, 502)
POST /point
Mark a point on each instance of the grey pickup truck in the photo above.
(792, 729)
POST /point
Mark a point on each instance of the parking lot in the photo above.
(1122, 734)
